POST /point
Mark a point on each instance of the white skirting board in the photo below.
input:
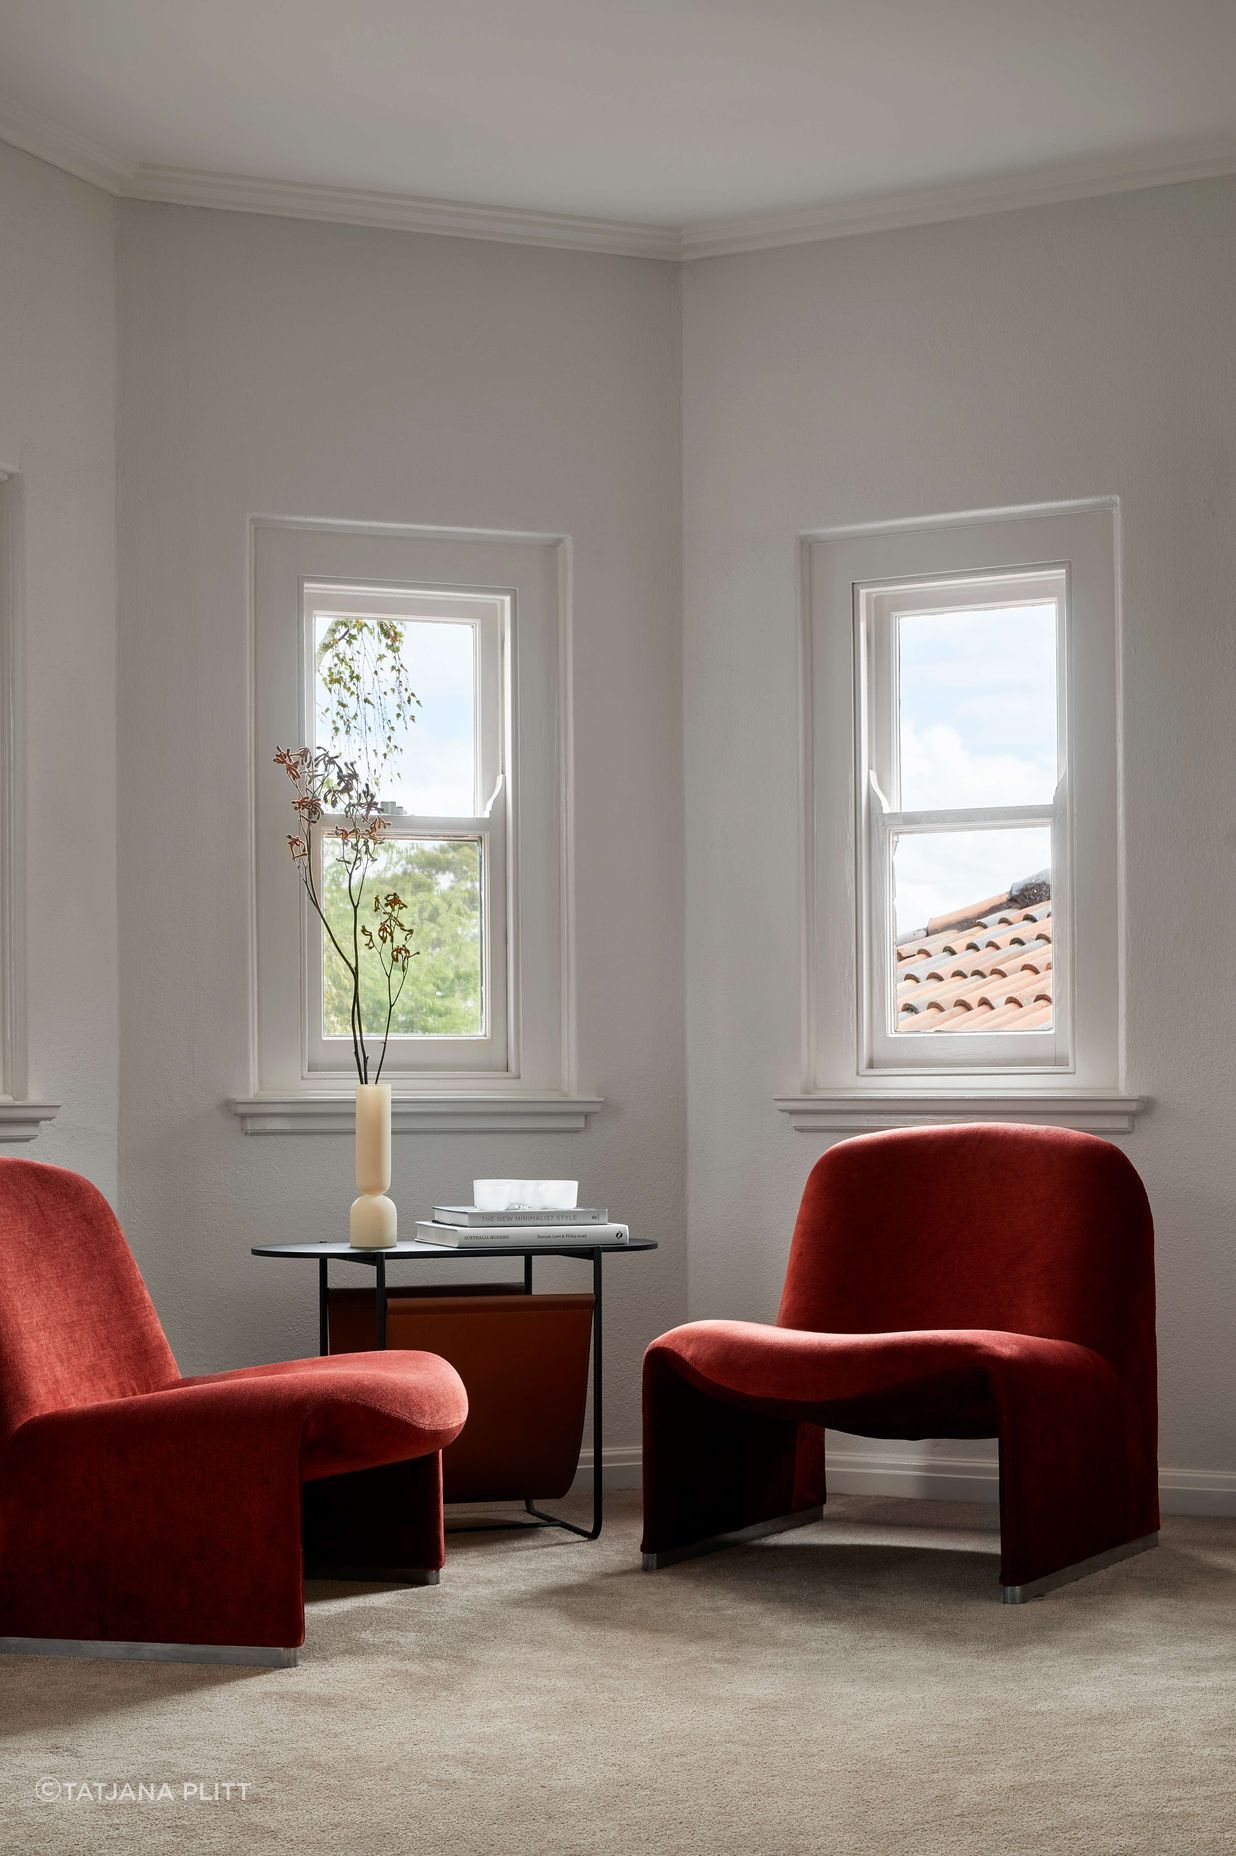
(976, 1479)
(931, 1477)
(620, 1465)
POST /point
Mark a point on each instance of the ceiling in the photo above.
(743, 121)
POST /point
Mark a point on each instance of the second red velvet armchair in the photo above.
(961, 1282)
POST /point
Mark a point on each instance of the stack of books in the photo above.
(465, 1228)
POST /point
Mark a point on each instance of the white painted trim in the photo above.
(620, 1467)
(857, 1111)
(402, 212)
(912, 1474)
(977, 1479)
(962, 518)
(1198, 1491)
(919, 1475)
(105, 167)
(542, 1051)
(883, 1050)
(566, 810)
(843, 1070)
(21, 1121)
(490, 1113)
(718, 238)
(13, 1034)
(64, 148)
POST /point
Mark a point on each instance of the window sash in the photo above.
(482, 1054)
(877, 609)
(489, 613)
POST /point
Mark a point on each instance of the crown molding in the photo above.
(64, 148)
(705, 238)
(717, 238)
(402, 212)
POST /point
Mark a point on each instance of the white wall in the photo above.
(280, 367)
(1063, 352)
(276, 367)
(57, 432)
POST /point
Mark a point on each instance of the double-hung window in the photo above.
(433, 661)
(964, 835)
(961, 882)
(408, 683)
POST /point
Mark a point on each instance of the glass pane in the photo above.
(440, 880)
(974, 930)
(398, 697)
(977, 707)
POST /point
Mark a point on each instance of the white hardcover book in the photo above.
(470, 1217)
(457, 1237)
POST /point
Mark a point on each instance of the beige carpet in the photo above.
(855, 1688)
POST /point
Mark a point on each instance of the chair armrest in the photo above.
(178, 1504)
(130, 1441)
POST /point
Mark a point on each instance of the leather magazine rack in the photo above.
(524, 1361)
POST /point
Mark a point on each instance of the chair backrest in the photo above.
(1032, 1230)
(76, 1323)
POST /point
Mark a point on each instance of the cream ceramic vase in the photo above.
(374, 1222)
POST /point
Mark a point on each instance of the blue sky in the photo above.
(978, 728)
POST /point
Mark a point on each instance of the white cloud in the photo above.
(938, 769)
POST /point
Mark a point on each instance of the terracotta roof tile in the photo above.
(959, 918)
(985, 967)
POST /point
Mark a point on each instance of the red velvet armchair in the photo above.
(147, 1514)
(943, 1282)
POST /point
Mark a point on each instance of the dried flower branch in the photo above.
(326, 787)
(368, 696)
(392, 945)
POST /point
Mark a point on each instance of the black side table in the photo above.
(412, 1251)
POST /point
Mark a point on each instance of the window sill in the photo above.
(859, 1110)
(21, 1121)
(311, 1112)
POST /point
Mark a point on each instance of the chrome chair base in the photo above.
(107, 1649)
(1080, 1569)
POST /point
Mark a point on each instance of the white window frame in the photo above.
(877, 609)
(490, 616)
(525, 1078)
(852, 1078)
(20, 1117)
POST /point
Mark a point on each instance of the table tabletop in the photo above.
(413, 1249)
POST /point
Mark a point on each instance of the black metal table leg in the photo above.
(598, 1446)
(598, 1493)
(528, 1275)
(380, 1297)
(323, 1307)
